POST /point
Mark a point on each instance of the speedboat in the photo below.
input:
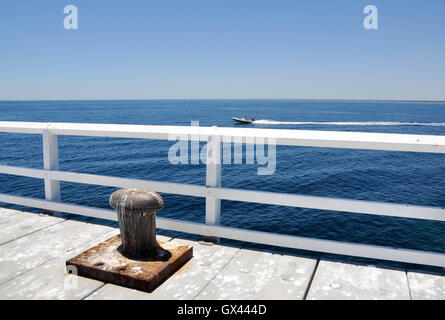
(243, 120)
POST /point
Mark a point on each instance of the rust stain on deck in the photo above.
(105, 262)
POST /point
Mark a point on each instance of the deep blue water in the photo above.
(399, 177)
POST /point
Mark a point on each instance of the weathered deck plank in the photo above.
(51, 281)
(48, 281)
(426, 286)
(261, 275)
(208, 260)
(5, 213)
(335, 280)
(14, 226)
(113, 292)
(29, 252)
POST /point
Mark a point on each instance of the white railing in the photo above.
(214, 193)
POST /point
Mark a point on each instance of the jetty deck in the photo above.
(34, 248)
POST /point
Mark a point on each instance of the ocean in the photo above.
(393, 177)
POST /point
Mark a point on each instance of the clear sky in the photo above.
(304, 49)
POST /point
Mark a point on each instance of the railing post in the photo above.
(213, 179)
(51, 162)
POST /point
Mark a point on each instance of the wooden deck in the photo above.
(34, 248)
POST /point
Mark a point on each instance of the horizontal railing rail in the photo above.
(309, 138)
(214, 193)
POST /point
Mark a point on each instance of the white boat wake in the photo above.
(364, 123)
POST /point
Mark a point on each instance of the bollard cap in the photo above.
(136, 200)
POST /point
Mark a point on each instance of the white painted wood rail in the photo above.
(214, 193)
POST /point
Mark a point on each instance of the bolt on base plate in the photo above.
(104, 262)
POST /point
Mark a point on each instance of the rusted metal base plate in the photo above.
(105, 263)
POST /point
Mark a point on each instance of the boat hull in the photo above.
(244, 121)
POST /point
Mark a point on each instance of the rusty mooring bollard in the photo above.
(133, 259)
(136, 212)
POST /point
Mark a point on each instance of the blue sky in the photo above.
(222, 49)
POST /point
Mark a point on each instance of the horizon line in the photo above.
(264, 99)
